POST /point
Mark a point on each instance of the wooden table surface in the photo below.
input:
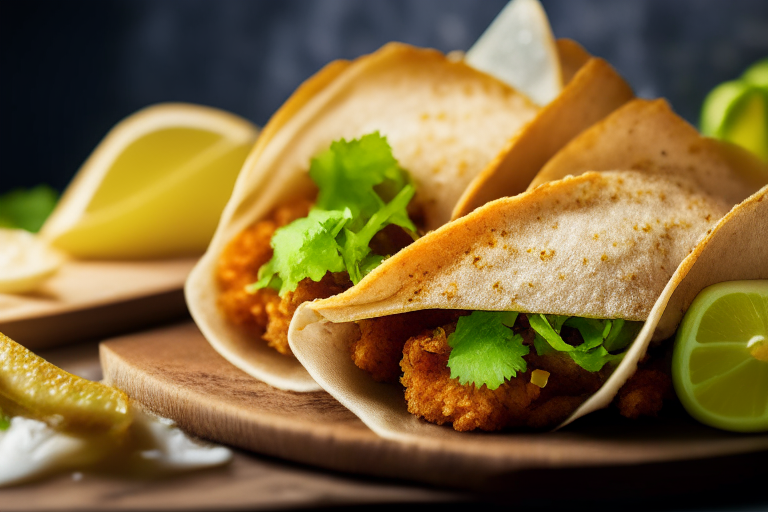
(257, 482)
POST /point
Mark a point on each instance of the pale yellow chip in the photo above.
(519, 49)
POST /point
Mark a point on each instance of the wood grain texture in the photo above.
(178, 375)
(88, 299)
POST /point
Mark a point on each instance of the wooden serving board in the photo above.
(176, 373)
(89, 299)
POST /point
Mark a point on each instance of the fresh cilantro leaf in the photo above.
(304, 248)
(354, 179)
(350, 173)
(622, 333)
(591, 331)
(540, 324)
(593, 360)
(601, 337)
(509, 318)
(355, 245)
(542, 347)
(556, 321)
(485, 351)
(27, 209)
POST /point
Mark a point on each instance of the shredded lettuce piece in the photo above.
(601, 338)
(27, 209)
(485, 350)
(362, 189)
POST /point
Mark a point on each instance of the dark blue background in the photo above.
(69, 70)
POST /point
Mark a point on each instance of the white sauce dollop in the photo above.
(31, 449)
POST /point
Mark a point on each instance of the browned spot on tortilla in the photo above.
(530, 285)
(585, 261)
(554, 226)
(497, 286)
(451, 291)
(546, 255)
(596, 236)
(604, 257)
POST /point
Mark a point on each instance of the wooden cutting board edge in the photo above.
(345, 444)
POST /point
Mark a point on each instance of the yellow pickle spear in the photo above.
(32, 387)
(53, 421)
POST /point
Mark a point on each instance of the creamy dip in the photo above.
(31, 449)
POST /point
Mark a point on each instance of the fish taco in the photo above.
(518, 313)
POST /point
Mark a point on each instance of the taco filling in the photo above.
(310, 249)
(494, 370)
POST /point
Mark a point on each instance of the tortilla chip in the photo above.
(595, 91)
(647, 135)
(444, 121)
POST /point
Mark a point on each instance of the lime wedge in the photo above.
(737, 111)
(518, 48)
(25, 261)
(155, 186)
(720, 358)
(32, 387)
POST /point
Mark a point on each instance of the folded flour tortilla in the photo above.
(611, 244)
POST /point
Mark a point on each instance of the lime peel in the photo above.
(719, 389)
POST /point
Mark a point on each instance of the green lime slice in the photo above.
(720, 358)
(757, 74)
(737, 111)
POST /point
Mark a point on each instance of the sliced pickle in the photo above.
(32, 387)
